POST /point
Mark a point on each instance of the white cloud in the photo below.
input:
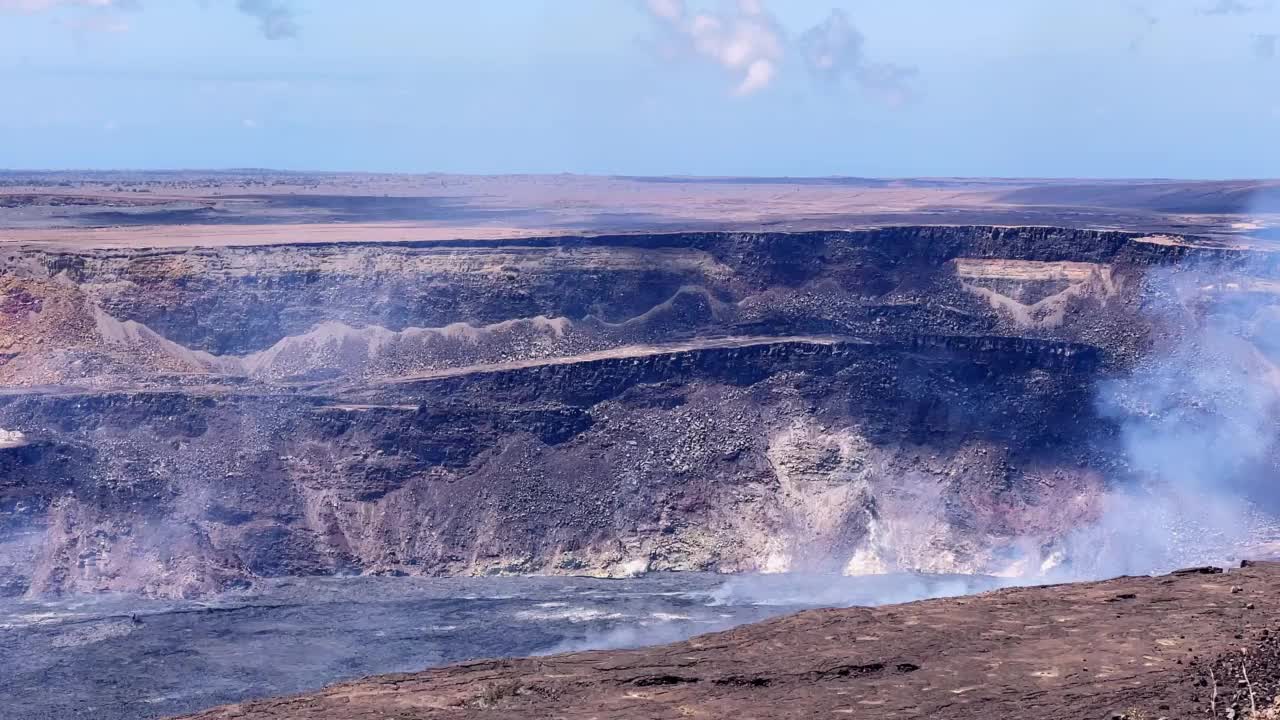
(670, 10)
(747, 42)
(94, 16)
(276, 18)
(759, 75)
(33, 6)
(750, 44)
(833, 50)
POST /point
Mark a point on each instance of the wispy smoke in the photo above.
(834, 590)
(95, 16)
(1229, 7)
(1265, 45)
(275, 18)
(833, 52)
(753, 597)
(1197, 421)
(1148, 22)
(750, 44)
(637, 635)
(33, 6)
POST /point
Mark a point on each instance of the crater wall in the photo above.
(918, 398)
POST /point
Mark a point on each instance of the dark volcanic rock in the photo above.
(907, 398)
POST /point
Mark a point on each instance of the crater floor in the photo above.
(1138, 647)
(117, 657)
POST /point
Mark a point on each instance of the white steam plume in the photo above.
(1198, 428)
(748, 42)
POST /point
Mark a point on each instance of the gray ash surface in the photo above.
(123, 658)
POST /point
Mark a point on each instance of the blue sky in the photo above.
(1102, 88)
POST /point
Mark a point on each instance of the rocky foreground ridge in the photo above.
(939, 399)
(1195, 644)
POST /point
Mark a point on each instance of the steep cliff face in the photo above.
(908, 398)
